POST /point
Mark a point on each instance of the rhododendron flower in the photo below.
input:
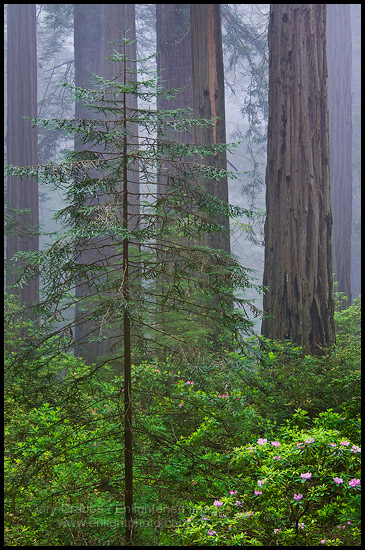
(300, 445)
(233, 492)
(356, 449)
(301, 525)
(257, 492)
(212, 533)
(308, 475)
(323, 541)
(338, 480)
(276, 457)
(276, 531)
(180, 404)
(218, 503)
(275, 443)
(309, 441)
(347, 443)
(354, 482)
(261, 441)
(297, 496)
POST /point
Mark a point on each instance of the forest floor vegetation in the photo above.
(261, 450)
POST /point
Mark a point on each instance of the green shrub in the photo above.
(300, 490)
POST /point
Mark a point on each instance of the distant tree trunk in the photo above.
(298, 262)
(22, 138)
(173, 44)
(208, 98)
(174, 59)
(88, 29)
(339, 55)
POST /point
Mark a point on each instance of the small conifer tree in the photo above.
(201, 286)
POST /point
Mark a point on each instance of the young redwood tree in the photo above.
(125, 284)
(21, 141)
(298, 258)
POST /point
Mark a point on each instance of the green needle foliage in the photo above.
(147, 264)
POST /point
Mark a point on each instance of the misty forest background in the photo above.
(182, 274)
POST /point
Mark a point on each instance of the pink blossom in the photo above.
(356, 449)
(233, 492)
(309, 441)
(300, 445)
(218, 503)
(276, 457)
(212, 533)
(338, 480)
(354, 482)
(297, 496)
(308, 475)
(323, 541)
(260, 482)
(276, 531)
(347, 443)
(275, 443)
(180, 404)
(261, 441)
(257, 492)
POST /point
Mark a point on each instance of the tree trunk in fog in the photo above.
(21, 137)
(208, 98)
(339, 55)
(298, 262)
(88, 27)
(173, 44)
(174, 59)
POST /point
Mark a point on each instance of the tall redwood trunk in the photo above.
(298, 259)
(22, 138)
(339, 55)
(208, 97)
(88, 29)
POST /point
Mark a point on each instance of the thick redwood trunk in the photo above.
(298, 260)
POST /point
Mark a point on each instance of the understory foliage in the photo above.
(216, 462)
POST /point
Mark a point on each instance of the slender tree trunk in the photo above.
(22, 138)
(339, 55)
(119, 18)
(208, 97)
(298, 259)
(120, 23)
